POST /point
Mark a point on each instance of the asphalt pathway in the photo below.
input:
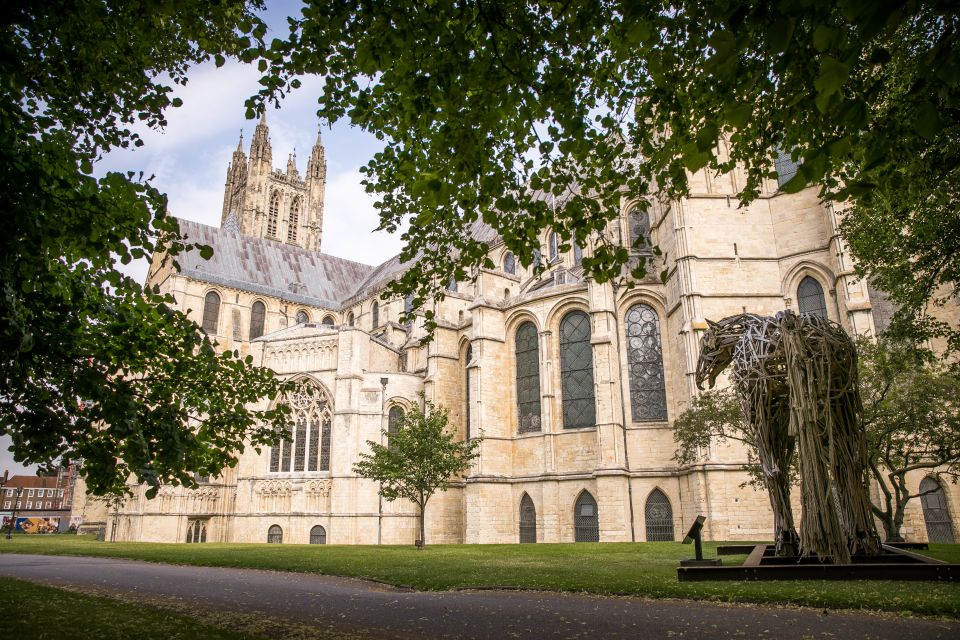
(386, 612)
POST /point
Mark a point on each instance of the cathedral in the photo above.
(572, 385)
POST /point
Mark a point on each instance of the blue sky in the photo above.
(188, 159)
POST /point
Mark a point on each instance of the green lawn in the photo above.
(643, 569)
(34, 611)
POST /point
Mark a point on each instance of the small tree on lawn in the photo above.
(911, 417)
(419, 459)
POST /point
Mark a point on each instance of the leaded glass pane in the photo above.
(810, 300)
(785, 167)
(658, 515)
(935, 513)
(300, 445)
(318, 535)
(393, 420)
(211, 313)
(314, 443)
(257, 315)
(275, 535)
(576, 371)
(648, 396)
(528, 520)
(510, 263)
(639, 222)
(528, 378)
(325, 446)
(586, 522)
(466, 387)
(287, 461)
(275, 456)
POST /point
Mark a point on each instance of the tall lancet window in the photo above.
(576, 371)
(648, 396)
(294, 222)
(273, 215)
(258, 313)
(305, 444)
(211, 313)
(528, 378)
(810, 300)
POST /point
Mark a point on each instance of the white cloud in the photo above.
(349, 222)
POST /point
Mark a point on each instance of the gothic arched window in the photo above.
(785, 167)
(658, 515)
(510, 263)
(302, 317)
(935, 513)
(553, 246)
(211, 313)
(466, 387)
(318, 535)
(528, 378)
(577, 254)
(528, 520)
(327, 321)
(648, 396)
(639, 222)
(294, 221)
(810, 300)
(258, 313)
(586, 523)
(350, 319)
(408, 309)
(273, 214)
(375, 314)
(196, 531)
(576, 371)
(393, 420)
(306, 442)
(275, 534)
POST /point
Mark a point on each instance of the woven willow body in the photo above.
(796, 377)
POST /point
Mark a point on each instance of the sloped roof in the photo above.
(31, 482)
(269, 267)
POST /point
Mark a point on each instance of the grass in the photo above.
(642, 569)
(35, 611)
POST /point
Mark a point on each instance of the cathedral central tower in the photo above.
(272, 203)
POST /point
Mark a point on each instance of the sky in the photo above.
(189, 158)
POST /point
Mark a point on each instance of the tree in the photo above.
(531, 115)
(911, 418)
(912, 421)
(419, 459)
(93, 366)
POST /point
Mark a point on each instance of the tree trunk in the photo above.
(423, 537)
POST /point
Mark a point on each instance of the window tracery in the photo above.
(810, 299)
(306, 445)
(648, 396)
(576, 371)
(273, 214)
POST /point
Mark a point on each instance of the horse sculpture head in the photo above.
(717, 345)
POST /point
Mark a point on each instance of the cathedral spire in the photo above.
(317, 164)
(260, 150)
(292, 165)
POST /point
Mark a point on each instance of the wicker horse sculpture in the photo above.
(796, 377)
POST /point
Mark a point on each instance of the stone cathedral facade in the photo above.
(572, 384)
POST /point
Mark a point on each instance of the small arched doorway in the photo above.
(935, 512)
(658, 515)
(586, 524)
(528, 520)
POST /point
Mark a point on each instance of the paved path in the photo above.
(386, 612)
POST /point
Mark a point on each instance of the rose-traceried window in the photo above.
(306, 442)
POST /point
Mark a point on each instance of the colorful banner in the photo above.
(34, 525)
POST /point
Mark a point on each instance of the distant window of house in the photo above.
(273, 215)
(327, 321)
(527, 355)
(30, 492)
(659, 517)
(258, 313)
(211, 313)
(294, 222)
(785, 167)
(648, 396)
(29, 504)
(576, 371)
(586, 523)
(810, 300)
(528, 520)
(275, 535)
(7, 504)
(510, 263)
(302, 317)
(318, 535)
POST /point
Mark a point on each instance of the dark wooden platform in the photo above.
(894, 564)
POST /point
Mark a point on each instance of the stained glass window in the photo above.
(211, 313)
(810, 300)
(658, 515)
(294, 221)
(528, 378)
(196, 531)
(586, 521)
(648, 396)
(318, 535)
(273, 214)
(258, 313)
(528, 520)
(639, 221)
(510, 263)
(393, 420)
(306, 447)
(300, 448)
(275, 535)
(576, 371)
(785, 167)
